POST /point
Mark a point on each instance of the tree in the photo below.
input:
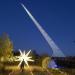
(45, 62)
(6, 46)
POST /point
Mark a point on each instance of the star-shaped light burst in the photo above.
(24, 57)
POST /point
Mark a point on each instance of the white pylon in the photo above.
(56, 50)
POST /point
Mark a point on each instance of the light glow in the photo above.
(24, 56)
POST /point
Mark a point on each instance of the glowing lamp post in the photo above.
(24, 57)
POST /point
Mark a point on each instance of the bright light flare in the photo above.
(24, 56)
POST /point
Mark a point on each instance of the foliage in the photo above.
(45, 62)
(6, 47)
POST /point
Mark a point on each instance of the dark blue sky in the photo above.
(56, 16)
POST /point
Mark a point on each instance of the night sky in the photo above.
(57, 17)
